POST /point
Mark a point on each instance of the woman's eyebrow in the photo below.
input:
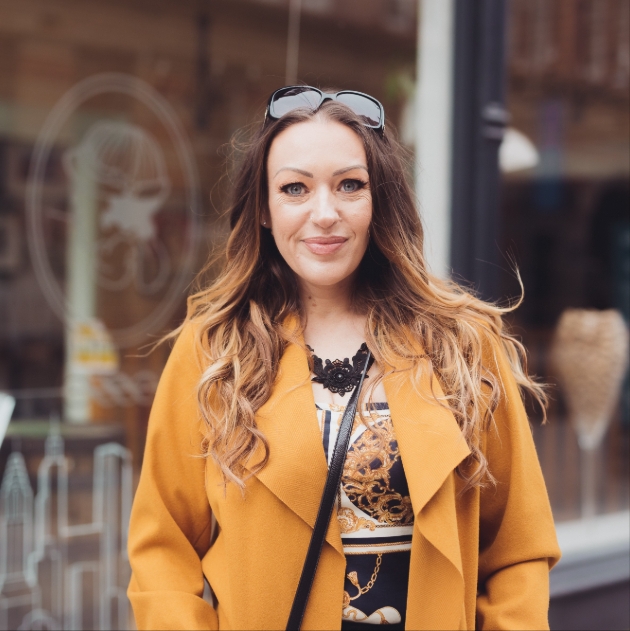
(354, 166)
(306, 173)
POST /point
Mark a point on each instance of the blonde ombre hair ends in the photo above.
(413, 317)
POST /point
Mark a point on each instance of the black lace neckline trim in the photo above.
(339, 376)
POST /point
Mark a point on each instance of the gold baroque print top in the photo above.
(375, 515)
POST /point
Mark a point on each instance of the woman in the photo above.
(325, 255)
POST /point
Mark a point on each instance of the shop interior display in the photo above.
(590, 355)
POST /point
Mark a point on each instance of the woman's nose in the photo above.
(324, 212)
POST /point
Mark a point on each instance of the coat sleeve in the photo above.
(170, 525)
(518, 544)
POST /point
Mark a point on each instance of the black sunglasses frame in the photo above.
(324, 96)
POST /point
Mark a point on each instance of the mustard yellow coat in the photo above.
(478, 560)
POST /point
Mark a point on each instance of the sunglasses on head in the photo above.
(290, 98)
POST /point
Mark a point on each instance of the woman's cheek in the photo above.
(361, 214)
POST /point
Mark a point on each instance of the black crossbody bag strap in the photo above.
(326, 507)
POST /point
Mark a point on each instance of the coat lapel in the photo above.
(297, 469)
(430, 441)
(431, 446)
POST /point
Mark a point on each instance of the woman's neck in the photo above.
(333, 326)
(335, 330)
(326, 302)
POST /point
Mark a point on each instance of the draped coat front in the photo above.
(479, 559)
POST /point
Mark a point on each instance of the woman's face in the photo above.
(320, 204)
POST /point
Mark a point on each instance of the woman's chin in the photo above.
(326, 280)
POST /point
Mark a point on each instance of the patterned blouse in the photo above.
(376, 518)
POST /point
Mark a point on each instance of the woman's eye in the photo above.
(294, 189)
(351, 186)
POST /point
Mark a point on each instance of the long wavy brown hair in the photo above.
(413, 317)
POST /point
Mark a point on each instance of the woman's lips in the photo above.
(324, 245)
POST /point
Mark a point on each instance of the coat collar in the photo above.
(430, 441)
(429, 438)
(297, 469)
(431, 446)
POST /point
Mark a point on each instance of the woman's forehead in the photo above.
(315, 143)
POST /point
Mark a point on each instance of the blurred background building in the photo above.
(120, 123)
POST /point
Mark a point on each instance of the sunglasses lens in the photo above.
(293, 99)
(367, 109)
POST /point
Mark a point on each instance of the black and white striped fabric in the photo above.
(375, 516)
